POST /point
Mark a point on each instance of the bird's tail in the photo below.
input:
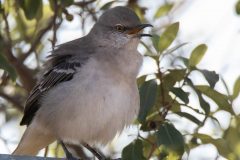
(33, 140)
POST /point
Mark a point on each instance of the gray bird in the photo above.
(88, 91)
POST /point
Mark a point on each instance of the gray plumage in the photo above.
(88, 91)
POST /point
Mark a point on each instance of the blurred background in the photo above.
(30, 30)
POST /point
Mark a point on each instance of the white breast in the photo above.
(91, 108)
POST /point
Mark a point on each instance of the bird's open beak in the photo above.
(136, 31)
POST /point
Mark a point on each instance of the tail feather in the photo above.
(33, 140)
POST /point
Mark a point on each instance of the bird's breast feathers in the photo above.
(97, 102)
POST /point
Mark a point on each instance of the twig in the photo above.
(55, 24)
(132, 2)
(36, 41)
(13, 101)
(54, 39)
(153, 148)
(151, 151)
(78, 150)
(83, 25)
(24, 73)
(94, 152)
(160, 77)
(46, 151)
(92, 13)
(7, 29)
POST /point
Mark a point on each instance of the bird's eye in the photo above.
(120, 28)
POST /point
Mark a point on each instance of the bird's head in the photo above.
(119, 26)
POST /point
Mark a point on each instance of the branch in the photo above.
(51, 24)
(36, 41)
(12, 100)
(55, 26)
(78, 150)
(84, 4)
(24, 73)
(132, 2)
(94, 152)
(92, 13)
(7, 29)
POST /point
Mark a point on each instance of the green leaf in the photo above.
(173, 76)
(148, 92)
(162, 91)
(236, 88)
(66, 3)
(170, 137)
(168, 36)
(204, 105)
(180, 93)
(184, 60)
(163, 10)
(210, 76)
(147, 147)
(7, 67)
(220, 99)
(133, 151)
(31, 8)
(63, 4)
(141, 80)
(171, 50)
(190, 117)
(139, 12)
(155, 41)
(175, 107)
(231, 135)
(107, 5)
(197, 55)
(237, 7)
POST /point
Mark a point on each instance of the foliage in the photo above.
(237, 7)
(172, 97)
(163, 93)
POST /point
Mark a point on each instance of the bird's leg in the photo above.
(94, 152)
(69, 155)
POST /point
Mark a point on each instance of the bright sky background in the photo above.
(213, 22)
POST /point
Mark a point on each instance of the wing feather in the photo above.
(63, 69)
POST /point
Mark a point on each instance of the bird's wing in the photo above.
(63, 67)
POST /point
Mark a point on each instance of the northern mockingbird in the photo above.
(88, 91)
